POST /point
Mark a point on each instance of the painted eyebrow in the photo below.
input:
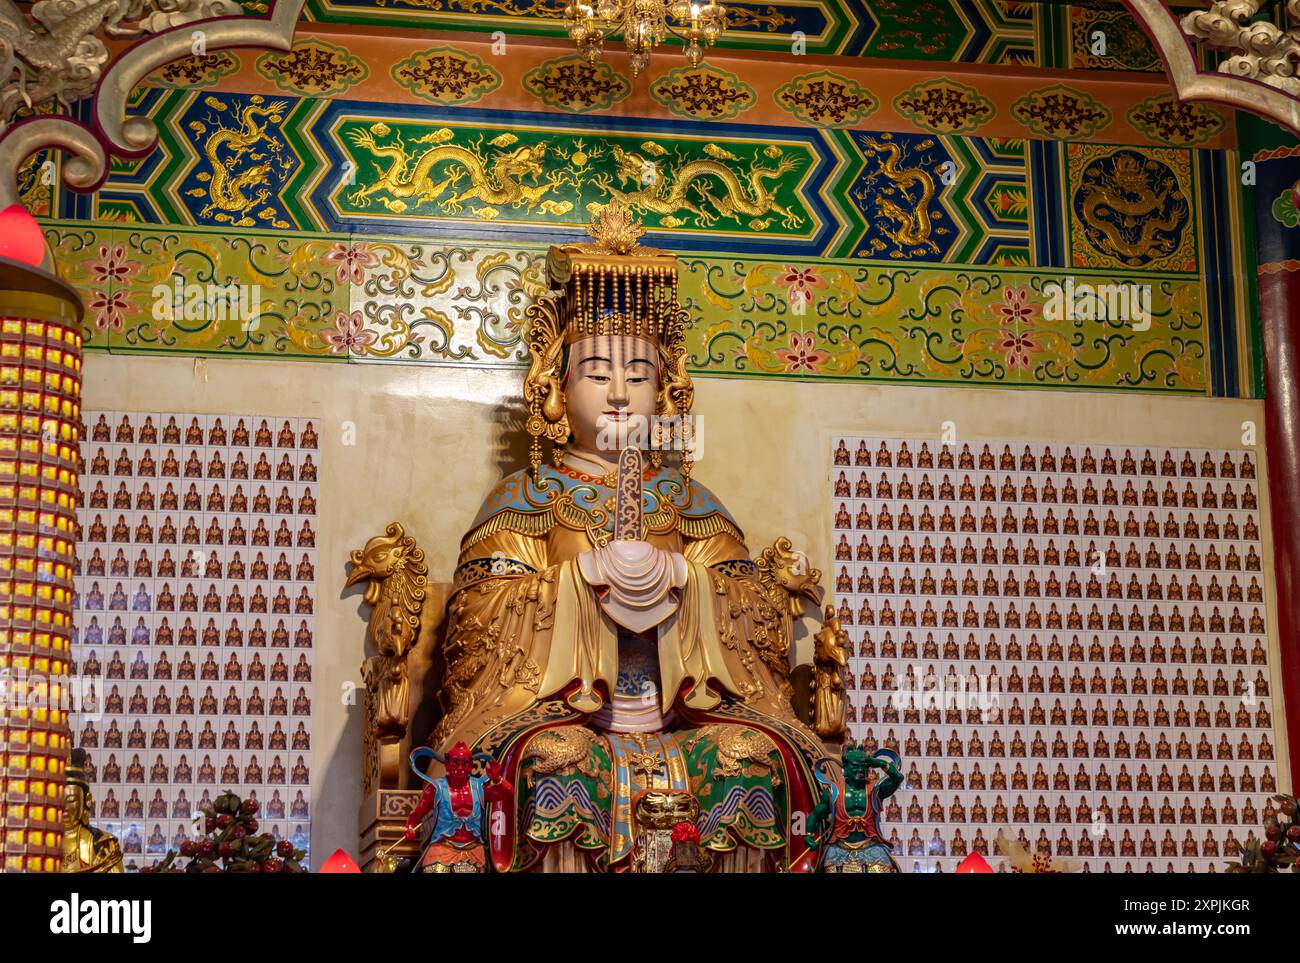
(596, 357)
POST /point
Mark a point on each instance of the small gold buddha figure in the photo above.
(85, 848)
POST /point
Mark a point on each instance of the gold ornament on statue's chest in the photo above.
(656, 813)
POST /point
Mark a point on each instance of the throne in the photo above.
(403, 673)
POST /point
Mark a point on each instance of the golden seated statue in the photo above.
(607, 638)
(86, 849)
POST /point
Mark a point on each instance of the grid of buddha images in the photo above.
(194, 628)
(1064, 642)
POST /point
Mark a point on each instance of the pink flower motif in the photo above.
(351, 260)
(1015, 307)
(803, 354)
(1017, 345)
(109, 310)
(112, 266)
(801, 282)
(348, 334)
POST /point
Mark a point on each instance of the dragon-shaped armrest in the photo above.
(791, 582)
(406, 620)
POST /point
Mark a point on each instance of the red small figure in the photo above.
(458, 803)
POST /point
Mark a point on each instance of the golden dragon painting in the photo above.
(1134, 211)
(417, 177)
(691, 185)
(906, 228)
(481, 179)
(232, 193)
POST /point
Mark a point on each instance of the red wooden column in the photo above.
(1279, 289)
(1277, 163)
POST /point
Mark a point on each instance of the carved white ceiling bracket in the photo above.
(54, 54)
(1261, 75)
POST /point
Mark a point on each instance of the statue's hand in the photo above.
(417, 814)
(640, 582)
(812, 829)
(813, 833)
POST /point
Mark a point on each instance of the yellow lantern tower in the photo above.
(40, 408)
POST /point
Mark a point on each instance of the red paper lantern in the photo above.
(974, 863)
(340, 862)
(20, 236)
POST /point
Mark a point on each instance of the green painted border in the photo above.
(866, 321)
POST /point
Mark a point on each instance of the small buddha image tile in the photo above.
(1066, 643)
(195, 620)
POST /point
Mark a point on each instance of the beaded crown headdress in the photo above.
(609, 286)
(613, 285)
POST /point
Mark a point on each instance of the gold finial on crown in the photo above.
(614, 285)
(615, 230)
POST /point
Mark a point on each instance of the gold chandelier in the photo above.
(644, 23)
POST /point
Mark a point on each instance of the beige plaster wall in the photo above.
(422, 445)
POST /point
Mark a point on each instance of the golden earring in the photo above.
(553, 408)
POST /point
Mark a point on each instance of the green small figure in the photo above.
(850, 811)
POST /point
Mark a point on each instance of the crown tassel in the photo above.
(619, 299)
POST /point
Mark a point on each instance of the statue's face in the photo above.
(610, 389)
(458, 771)
(74, 805)
(856, 770)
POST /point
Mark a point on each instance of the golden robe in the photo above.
(87, 849)
(524, 626)
(528, 649)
